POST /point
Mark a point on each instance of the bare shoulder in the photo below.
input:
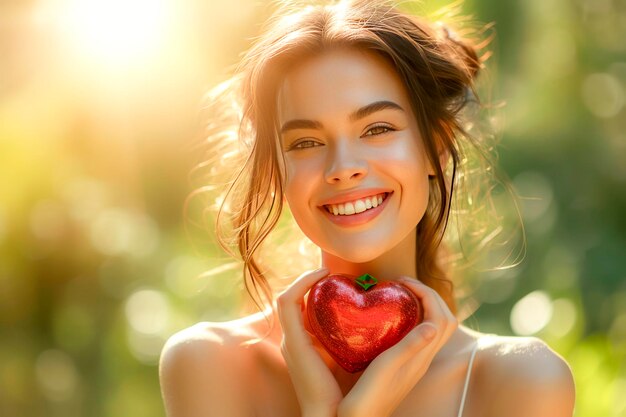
(201, 369)
(523, 376)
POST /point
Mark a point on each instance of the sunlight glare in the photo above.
(114, 31)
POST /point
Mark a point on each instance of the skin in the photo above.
(209, 370)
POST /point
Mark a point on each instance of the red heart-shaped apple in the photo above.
(355, 323)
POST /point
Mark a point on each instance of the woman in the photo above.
(352, 115)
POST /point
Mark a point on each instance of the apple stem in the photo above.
(366, 281)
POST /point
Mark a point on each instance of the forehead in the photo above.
(336, 82)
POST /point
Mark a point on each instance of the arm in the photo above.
(534, 381)
(200, 378)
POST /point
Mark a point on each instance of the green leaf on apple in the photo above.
(366, 281)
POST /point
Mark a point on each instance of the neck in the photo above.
(391, 265)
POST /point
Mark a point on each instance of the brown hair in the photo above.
(438, 68)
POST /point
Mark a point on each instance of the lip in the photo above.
(354, 195)
(357, 219)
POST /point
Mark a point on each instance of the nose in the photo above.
(344, 165)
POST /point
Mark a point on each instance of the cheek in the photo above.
(405, 161)
(407, 164)
(300, 180)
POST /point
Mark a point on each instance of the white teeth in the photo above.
(359, 206)
(355, 207)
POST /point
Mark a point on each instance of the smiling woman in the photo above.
(353, 114)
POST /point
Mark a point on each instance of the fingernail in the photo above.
(428, 331)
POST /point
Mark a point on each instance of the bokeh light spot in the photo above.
(147, 311)
(57, 375)
(531, 313)
(564, 316)
(619, 405)
(111, 232)
(117, 231)
(146, 348)
(603, 94)
(84, 197)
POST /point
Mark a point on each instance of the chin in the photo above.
(357, 255)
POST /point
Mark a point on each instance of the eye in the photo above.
(378, 130)
(304, 144)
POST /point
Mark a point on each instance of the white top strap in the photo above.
(467, 378)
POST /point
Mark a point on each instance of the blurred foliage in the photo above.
(98, 103)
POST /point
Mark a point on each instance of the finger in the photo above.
(419, 338)
(435, 308)
(420, 344)
(300, 286)
(433, 311)
(289, 304)
(450, 321)
(422, 289)
(294, 294)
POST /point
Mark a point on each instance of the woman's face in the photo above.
(348, 133)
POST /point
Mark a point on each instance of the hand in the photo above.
(316, 388)
(404, 364)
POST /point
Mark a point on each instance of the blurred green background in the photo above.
(98, 108)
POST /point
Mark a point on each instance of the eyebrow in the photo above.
(357, 115)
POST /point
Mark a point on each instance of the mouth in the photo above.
(358, 206)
